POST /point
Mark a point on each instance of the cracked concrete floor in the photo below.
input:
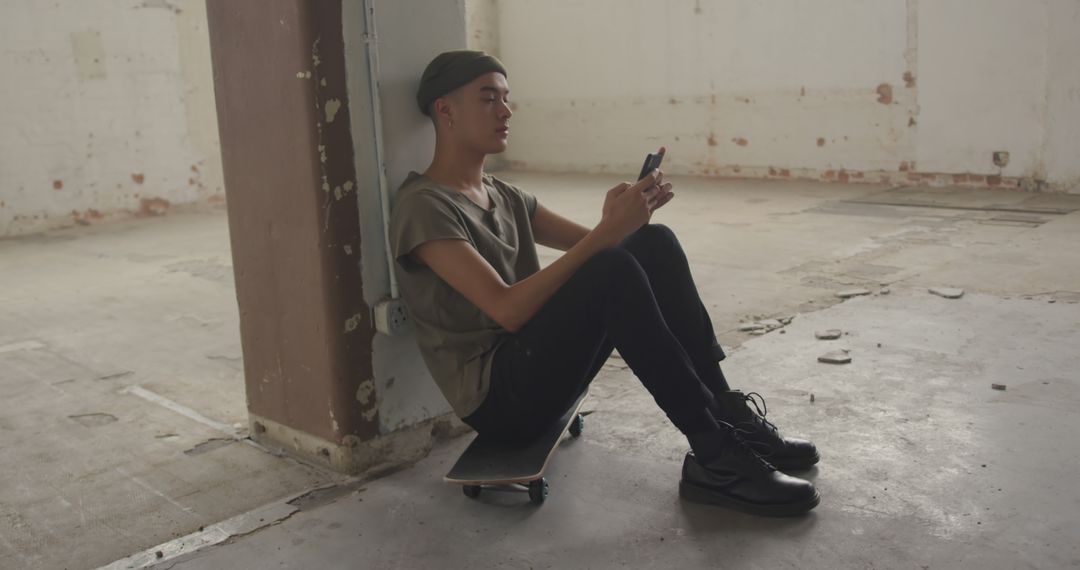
(905, 428)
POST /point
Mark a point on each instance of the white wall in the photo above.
(892, 90)
(106, 109)
(982, 85)
(1062, 137)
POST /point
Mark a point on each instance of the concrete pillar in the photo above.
(302, 187)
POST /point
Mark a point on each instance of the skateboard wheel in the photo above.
(538, 490)
(577, 426)
(471, 491)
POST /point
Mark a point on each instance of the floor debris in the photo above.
(94, 420)
(842, 356)
(811, 397)
(762, 325)
(831, 334)
(849, 293)
(947, 292)
(998, 386)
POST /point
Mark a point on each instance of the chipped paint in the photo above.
(333, 421)
(315, 61)
(331, 109)
(153, 207)
(365, 392)
(353, 322)
(885, 94)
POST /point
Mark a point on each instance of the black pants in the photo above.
(638, 297)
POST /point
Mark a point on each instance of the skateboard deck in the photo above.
(494, 465)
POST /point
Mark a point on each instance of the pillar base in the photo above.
(353, 456)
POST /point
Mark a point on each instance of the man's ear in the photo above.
(441, 110)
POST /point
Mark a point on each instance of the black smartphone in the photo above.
(652, 162)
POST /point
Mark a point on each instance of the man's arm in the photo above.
(626, 208)
(554, 231)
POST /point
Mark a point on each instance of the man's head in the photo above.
(467, 97)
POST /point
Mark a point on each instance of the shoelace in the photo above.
(763, 451)
(761, 410)
(748, 446)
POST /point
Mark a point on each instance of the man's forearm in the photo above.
(523, 299)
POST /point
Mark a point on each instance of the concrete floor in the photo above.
(924, 465)
(123, 415)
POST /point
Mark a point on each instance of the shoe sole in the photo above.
(795, 466)
(697, 494)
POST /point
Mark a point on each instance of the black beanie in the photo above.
(450, 70)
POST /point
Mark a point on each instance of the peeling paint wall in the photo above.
(843, 90)
(108, 111)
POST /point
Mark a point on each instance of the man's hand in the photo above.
(660, 193)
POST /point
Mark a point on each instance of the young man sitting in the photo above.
(512, 345)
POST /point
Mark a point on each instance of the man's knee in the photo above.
(651, 237)
(612, 258)
(658, 232)
(612, 263)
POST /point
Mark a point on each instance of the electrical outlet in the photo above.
(391, 317)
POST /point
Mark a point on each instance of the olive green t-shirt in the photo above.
(456, 338)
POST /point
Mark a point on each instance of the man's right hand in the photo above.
(628, 207)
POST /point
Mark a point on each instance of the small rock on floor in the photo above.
(849, 293)
(751, 327)
(831, 334)
(835, 357)
(947, 292)
(998, 386)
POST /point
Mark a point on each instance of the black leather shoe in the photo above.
(785, 453)
(736, 477)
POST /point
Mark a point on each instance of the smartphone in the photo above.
(652, 162)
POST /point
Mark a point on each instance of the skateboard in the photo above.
(491, 465)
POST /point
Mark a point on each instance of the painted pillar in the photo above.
(283, 115)
(294, 104)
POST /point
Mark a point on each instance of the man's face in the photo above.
(481, 113)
